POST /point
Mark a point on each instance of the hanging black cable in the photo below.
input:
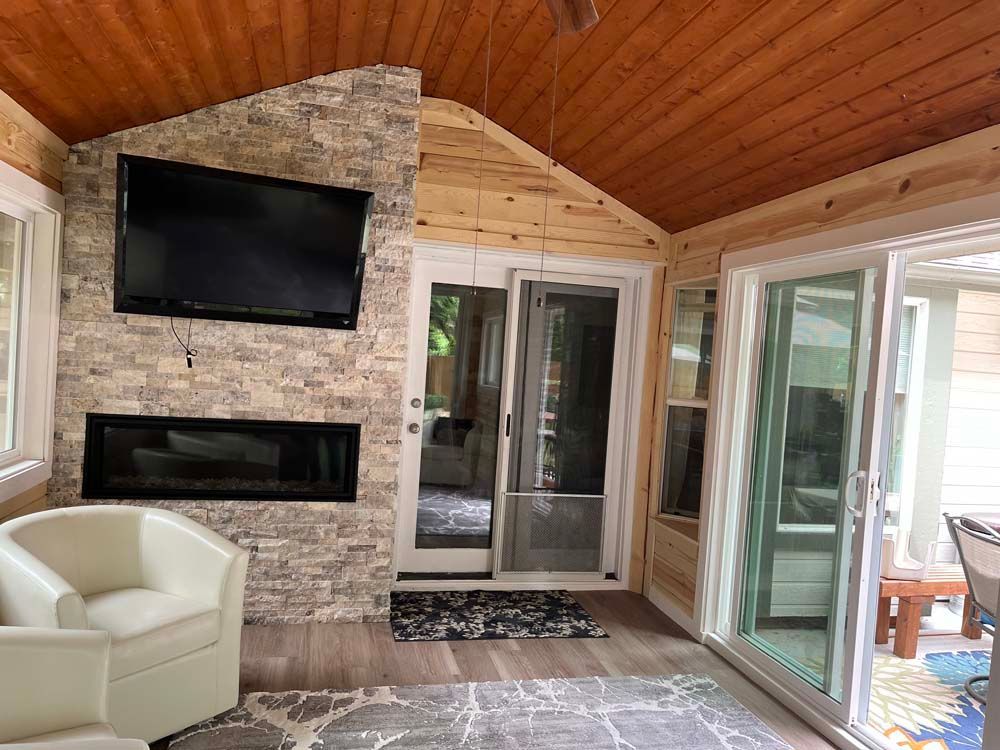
(188, 351)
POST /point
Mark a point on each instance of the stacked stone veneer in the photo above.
(358, 128)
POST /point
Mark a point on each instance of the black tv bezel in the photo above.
(124, 303)
(91, 487)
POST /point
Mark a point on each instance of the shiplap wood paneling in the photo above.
(29, 146)
(29, 501)
(522, 194)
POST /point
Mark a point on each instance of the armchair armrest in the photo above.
(182, 557)
(33, 595)
(51, 680)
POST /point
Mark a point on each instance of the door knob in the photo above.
(413, 427)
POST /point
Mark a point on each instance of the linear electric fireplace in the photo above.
(171, 457)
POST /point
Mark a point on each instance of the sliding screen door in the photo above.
(556, 504)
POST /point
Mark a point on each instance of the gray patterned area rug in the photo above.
(453, 511)
(596, 713)
(489, 615)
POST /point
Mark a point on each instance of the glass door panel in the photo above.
(461, 416)
(11, 248)
(804, 478)
(555, 504)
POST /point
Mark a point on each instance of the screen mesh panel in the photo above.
(552, 533)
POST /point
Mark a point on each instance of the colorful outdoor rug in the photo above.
(921, 704)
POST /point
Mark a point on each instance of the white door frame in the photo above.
(965, 227)
(634, 305)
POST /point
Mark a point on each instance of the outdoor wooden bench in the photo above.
(942, 580)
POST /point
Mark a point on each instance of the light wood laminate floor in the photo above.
(642, 641)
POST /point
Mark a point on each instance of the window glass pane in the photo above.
(458, 457)
(691, 352)
(683, 459)
(899, 404)
(11, 233)
(807, 441)
(822, 350)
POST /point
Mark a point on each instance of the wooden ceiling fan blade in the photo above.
(576, 15)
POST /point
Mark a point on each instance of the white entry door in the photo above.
(452, 412)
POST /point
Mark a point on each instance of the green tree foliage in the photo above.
(441, 330)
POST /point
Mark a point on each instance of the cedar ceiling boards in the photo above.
(684, 110)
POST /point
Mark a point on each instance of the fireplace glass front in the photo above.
(170, 457)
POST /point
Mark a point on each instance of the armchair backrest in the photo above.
(51, 680)
(93, 548)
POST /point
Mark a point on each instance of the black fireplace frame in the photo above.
(93, 459)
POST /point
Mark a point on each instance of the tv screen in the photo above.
(210, 243)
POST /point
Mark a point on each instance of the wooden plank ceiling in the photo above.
(685, 110)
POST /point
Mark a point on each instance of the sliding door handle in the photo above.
(854, 480)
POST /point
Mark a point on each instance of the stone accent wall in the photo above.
(356, 128)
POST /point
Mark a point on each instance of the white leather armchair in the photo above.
(53, 690)
(167, 590)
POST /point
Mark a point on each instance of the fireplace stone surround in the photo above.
(310, 561)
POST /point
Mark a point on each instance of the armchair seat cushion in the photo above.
(148, 628)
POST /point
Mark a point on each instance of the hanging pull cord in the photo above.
(482, 147)
(548, 165)
(188, 351)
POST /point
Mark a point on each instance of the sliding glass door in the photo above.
(812, 469)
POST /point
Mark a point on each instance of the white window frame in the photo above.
(37, 330)
(902, 502)
(672, 401)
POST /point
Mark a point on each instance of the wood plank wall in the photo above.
(27, 502)
(29, 146)
(516, 177)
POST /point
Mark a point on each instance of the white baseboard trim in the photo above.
(853, 738)
(667, 606)
(489, 585)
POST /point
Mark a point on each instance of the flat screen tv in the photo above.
(210, 243)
